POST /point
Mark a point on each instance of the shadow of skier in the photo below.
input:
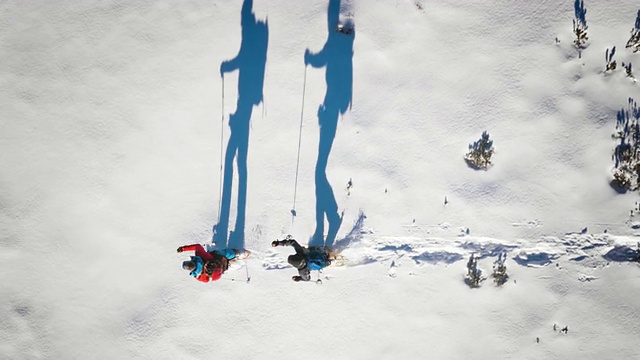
(336, 57)
(250, 63)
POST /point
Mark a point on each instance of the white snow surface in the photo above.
(110, 149)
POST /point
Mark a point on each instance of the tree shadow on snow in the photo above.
(336, 57)
(250, 63)
(617, 187)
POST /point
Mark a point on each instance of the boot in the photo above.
(242, 254)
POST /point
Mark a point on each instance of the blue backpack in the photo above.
(317, 259)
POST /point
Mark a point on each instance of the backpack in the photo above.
(317, 259)
(217, 262)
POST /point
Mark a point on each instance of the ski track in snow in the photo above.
(367, 247)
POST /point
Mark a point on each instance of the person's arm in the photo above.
(200, 251)
(289, 242)
(203, 277)
(216, 274)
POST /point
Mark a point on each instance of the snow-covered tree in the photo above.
(634, 40)
(626, 155)
(580, 24)
(474, 275)
(628, 68)
(610, 63)
(480, 152)
(499, 275)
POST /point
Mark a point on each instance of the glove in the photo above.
(275, 243)
(180, 249)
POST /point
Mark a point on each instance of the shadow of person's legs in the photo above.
(250, 64)
(236, 238)
(326, 204)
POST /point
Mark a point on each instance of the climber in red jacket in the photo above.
(209, 266)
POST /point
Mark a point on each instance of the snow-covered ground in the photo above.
(113, 144)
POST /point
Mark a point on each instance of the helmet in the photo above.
(297, 261)
(189, 265)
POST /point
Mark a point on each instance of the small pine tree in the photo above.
(610, 63)
(499, 275)
(474, 275)
(626, 155)
(580, 24)
(480, 152)
(634, 40)
(628, 68)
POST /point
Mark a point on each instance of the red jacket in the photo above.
(202, 253)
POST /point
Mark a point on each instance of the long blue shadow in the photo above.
(250, 63)
(580, 12)
(336, 57)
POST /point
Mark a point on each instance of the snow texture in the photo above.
(131, 128)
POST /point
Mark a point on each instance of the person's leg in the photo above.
(229, 254)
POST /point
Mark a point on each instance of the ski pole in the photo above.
(246, 267)
(295, 188)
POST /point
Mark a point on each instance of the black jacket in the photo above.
(304, 272)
